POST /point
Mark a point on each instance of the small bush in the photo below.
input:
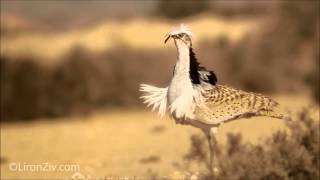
(284, 155)
(80, 83)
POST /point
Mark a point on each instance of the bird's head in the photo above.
(181, 35)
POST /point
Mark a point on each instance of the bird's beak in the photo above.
(168, 36)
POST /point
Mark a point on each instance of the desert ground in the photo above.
(123, 143)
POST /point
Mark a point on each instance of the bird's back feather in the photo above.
(222, 103)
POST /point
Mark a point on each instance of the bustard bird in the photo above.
(193, 96)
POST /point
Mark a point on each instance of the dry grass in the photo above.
(146, 34)
(124, 143)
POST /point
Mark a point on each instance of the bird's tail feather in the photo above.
(275, 112)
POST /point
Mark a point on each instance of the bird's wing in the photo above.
(155, 97)
(221, 103)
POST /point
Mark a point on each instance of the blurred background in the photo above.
(70, 74)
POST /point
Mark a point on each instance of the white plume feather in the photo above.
(182, 29)
(155, 97)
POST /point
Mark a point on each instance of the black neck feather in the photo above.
(199, 73)
(194, 65)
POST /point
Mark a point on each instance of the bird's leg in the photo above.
(212, 154)
(210, 164)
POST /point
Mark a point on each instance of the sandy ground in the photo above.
(116, 143)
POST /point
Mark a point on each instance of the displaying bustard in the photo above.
(193, 96)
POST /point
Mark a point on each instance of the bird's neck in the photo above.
(183, 63)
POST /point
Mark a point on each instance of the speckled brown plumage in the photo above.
(221, 103)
